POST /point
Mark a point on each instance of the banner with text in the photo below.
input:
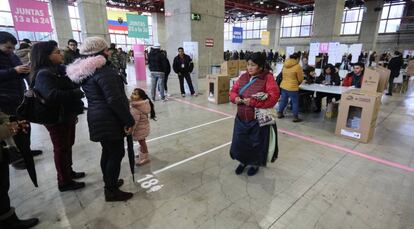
(265, 38)
(137, 26)
(30, 15)
(237, 35)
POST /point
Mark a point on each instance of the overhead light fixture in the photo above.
(162, 9)
(277, 7)
(290, 11)
(138, 5)
(261, 2)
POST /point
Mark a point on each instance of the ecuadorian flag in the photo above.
(117, 20)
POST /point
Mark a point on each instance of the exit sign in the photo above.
(195, 17)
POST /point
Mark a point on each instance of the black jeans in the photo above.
(4, 185)
(112, 153)
(390, 84)
(329, 97)
(189, 82)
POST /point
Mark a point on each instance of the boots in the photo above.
(113, 195)
(142, 159)
(296, 119)
(15, 223)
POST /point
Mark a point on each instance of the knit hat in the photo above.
(156, 46)
(93, 45)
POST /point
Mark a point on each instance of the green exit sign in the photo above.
(195, 17)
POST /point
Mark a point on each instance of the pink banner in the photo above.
(139, 59)
(30, 15)
(324, 47)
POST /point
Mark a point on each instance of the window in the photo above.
(296, 25)
(351, 21)
(75, 22)
(391, 17)
(252, 29)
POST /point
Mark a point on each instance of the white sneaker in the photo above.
(183, 95)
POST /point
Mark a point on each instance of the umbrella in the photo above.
(22, 140)
(131, 155)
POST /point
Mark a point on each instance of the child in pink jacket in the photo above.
(141, 107)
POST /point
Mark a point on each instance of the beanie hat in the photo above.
(93, 45)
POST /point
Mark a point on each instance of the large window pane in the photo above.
(287, 21)
(358, 28)
(28, 35)
(74, 24)
(286, 32)
(120, 39)
(295, 31)
(6, 19)
(350, 28)
(5, 5)
(352, 15)
(396, 11)
(306, 20)
(296, 21)
(393, 25)
(226, 36)
(244, 26)
(43, 36)
(113, 38)
(249, 25)
(305, 31)
(384, 13)
(256, 25)
(361, 14)
(256, 34)
(382, 26)
(263, 24)
(249, 34)
(10, 30)
(72, 11)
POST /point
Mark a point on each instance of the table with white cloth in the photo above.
(325, 88)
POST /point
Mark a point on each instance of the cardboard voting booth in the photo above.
(357, 116)
(230, 68)
(218, 88)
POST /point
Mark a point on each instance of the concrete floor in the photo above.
(317, 182)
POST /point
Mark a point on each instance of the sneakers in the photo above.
(71, 186)
(14, 222)
(77, 175)
(296, 119)
(252, 171)
(183, 95)
(117, 195)
(240, 169)
(164, 100)
(195, 94)
(142, 159)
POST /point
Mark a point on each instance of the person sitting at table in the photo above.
(305, 96)
(330, 77)
(309, 75)
(355, 77)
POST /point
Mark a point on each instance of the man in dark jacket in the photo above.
(159, 66)
(394, 65)
(329, 76)
(71, 53)
(183, 65)
(12, 87)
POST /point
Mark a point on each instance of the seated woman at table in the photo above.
(329, 76)
(355, 77)
(305, 96)
(309, 75)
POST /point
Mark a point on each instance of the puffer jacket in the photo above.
(158, 62)
(140, 111)
(12, 85)
(292, 74)
(108, 107)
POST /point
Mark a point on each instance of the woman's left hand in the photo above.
(246, 102)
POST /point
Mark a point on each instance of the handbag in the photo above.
(266, 116)
(34, 108)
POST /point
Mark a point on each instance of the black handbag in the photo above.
(279, 79)
(35, 109)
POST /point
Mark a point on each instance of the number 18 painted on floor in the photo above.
(150, 183)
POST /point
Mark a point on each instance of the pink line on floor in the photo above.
(313, 140)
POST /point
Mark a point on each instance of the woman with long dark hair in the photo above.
(255, 89)
(109, 119)
(63, 101)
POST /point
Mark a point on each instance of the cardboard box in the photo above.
(230, 68)
(384, 77)
(358, 111)
(332, 110)
(410, 68)
(218, 88)
(370, 81)
(242, 66)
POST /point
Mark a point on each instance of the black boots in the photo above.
(71, 186)
(15, 223)
(113, 195)
(240, 169)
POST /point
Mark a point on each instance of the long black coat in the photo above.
(395, 65)
(12, 85)
(108, 106)
(59, 91)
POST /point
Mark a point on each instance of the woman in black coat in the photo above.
(329, 76)
(63, 104)
(109, 119)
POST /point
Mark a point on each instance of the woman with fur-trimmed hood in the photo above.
(109, 119)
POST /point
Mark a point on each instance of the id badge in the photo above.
(182, 66)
